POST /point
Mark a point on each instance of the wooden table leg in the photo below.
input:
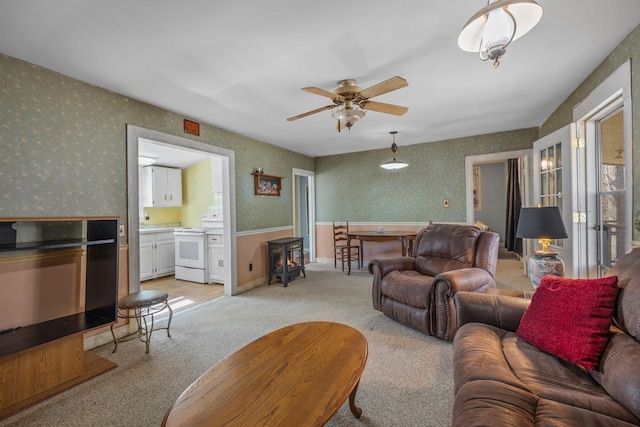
(404, 246)
(352, 402)
(361, 254)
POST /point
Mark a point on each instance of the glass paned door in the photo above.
(611, 187)
(552, 177)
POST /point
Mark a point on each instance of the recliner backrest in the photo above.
(444, 247)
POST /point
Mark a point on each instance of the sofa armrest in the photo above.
(500, 311)
(445, 286)
(380, 267)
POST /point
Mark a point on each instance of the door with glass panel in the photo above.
(611, 227)
(552, 186)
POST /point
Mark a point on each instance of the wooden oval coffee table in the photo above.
(299, 375)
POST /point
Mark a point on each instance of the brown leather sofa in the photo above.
(418, 290)
(499, 379)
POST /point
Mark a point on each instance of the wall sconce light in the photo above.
(496, 25)
(544, 224)
(394, 164)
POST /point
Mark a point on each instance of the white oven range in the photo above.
(192, 258)
(191, 254)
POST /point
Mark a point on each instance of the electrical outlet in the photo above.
(122, 231)
(445, 203)
(250, 267)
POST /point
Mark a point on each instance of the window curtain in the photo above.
(514, 203)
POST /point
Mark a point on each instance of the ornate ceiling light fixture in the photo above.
(496, 25)
(394, 164)
(347, 115)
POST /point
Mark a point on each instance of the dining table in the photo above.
(405, 237)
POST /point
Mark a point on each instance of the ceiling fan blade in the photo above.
(323, 92)
(386, 86)
(381, 107)
(308, 113)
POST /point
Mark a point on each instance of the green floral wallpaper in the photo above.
(354, 187)
(63, 150)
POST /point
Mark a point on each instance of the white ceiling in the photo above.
(239, 65)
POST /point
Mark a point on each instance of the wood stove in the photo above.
(286, 259)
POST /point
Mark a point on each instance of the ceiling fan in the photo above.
(350, 103)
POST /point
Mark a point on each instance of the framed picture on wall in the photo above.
(267, 185)
(477, 186)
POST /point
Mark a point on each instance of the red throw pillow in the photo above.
(570, 318)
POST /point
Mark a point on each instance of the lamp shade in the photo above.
(394, 164)
(541, 223)
(526, 14)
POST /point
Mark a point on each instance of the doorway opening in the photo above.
(488, 209)
(304, 211)
(136, 135)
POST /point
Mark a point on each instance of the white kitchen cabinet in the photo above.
(165, 254)
(157, 255)
(216, 258)
(147, 243)
(162, 187)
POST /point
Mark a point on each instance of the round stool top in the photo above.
(142, 299)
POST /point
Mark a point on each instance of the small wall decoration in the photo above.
(266, 185)
(192, 128)
(477, 193)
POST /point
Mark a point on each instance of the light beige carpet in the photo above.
(407, 381)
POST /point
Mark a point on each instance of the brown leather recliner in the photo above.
(418, 291)
(501, 380)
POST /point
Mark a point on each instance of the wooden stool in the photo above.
(143, 304)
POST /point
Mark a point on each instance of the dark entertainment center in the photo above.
(40, 242)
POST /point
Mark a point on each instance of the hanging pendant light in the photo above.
(394, 164)
(496, 25)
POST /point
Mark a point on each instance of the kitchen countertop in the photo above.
(158, 228)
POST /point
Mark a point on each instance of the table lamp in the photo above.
(544, 224)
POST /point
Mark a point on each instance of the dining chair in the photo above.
(340, 249)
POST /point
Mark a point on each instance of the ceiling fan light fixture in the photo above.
(348, 115)
(350, 102)
(394, 164)
(496, 25)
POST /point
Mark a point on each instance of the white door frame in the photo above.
(614, 91)
(134, 133)
(312, 208)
